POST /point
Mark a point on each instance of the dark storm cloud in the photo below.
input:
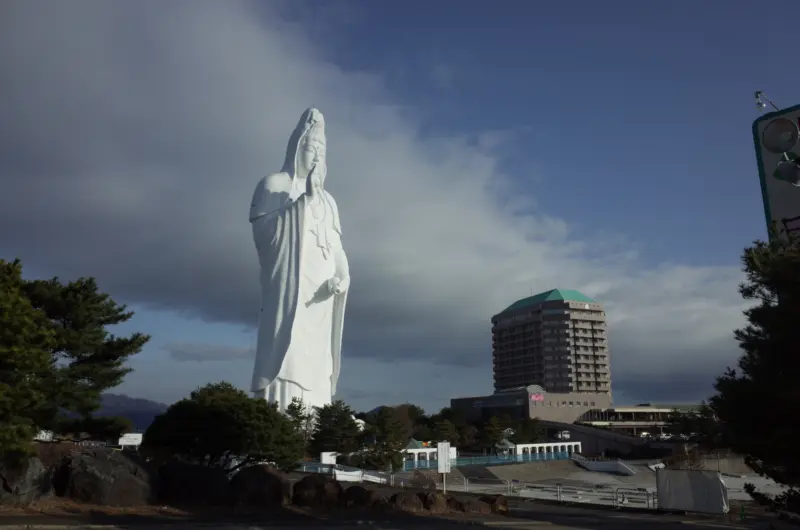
(133, 133)
(182, 351)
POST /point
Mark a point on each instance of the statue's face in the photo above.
(308, 155)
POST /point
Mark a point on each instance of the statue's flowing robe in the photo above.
(300, 324)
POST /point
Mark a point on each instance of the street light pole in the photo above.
(760, 98)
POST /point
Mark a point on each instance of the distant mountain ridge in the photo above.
(141, 412)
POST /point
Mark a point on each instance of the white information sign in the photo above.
(44, 436)
(443, 456)
(777, 141)
(131, 438)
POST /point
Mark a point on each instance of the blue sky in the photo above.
(652, 103)
(622, 129)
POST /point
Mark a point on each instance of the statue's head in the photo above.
(307, 145)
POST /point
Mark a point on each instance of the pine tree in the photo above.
(758, 404)
(392, 431)
(87, 359)
(446, 431)
(302, 419)
(335, 430)
(467, 435)
(25, 363)
(493, 432)
(527, 431)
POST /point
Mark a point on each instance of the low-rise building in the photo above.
(594, 410)
(646, 419)
(533, 402)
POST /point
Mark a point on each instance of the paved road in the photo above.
(524, 516)
(614, 522)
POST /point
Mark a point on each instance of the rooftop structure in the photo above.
(556, 339)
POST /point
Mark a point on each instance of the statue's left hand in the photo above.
(335, 286)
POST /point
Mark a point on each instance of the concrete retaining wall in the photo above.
(728, 465)
(605, 466)
(595, 441)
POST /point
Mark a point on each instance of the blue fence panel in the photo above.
(488, 460)
(316, 467)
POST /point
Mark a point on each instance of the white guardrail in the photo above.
(599, 494)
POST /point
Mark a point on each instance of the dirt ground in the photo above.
(62, 512)
(58, 511)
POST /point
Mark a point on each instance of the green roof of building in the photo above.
(548, 296)
(414, 444)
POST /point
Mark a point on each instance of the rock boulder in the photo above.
(453, 504)
(422, 481)
(318, 491)
(24, 482)
(259, 486)
(359, 497)
(477, 507)
(498, 503)
(102, 476)
(406, 501)
(184, 484)
(433, 501)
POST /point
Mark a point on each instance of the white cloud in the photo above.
(134, 133)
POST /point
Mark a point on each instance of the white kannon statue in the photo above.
(304, 275)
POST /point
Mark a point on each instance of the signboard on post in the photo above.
(328, 458)
(443, 456)
(130, 439)
(777, 140)
(443, 459)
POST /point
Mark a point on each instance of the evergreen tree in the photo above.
(700, 424)
(467, 435)
(87, 360)
(414, 412)
(391, 433)
(527, 431)
(424, 431)
(493, 432)
(423, 425)
(446, 431)
(25, 364)
(302, 419)
(452, 415)
(758, 404)
(98, 428)
(680, 422)
(221, 426)
(335, 430)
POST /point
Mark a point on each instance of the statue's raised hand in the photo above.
(313, 183)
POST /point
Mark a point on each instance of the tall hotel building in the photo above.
(550, 360)
(557, 340)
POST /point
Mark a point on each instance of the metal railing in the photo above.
(621, 496)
